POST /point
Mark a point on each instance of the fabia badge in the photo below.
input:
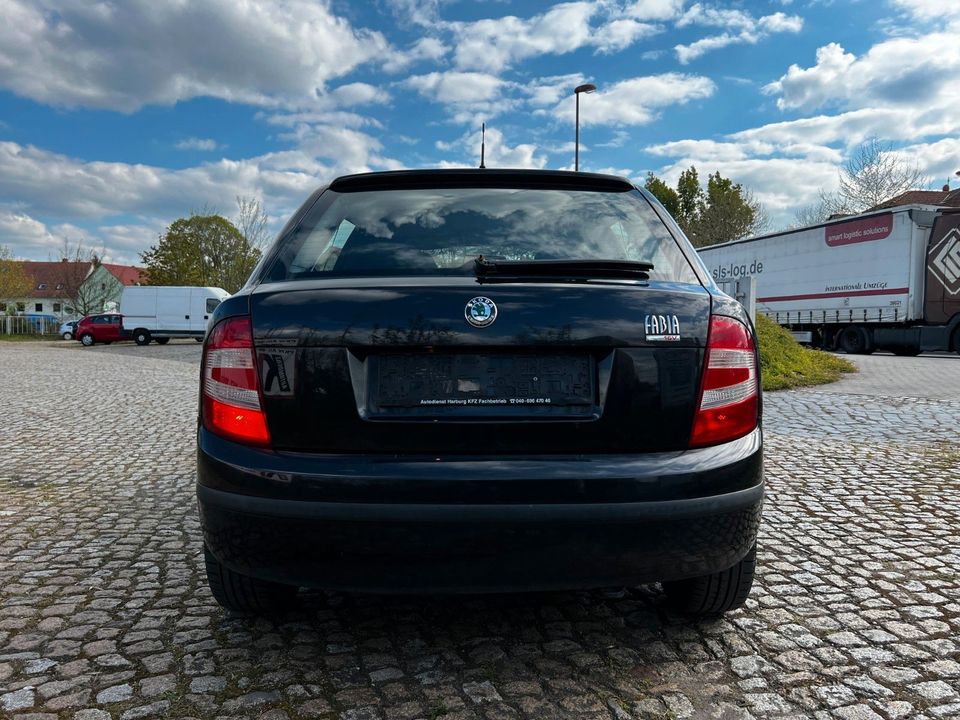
(481, 312)
(662, 327)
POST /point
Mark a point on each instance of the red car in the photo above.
(101, 329)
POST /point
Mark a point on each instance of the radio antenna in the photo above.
(483, 144)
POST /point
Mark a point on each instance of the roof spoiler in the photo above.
(481, 178)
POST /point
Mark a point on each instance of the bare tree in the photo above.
(761, 220)
(873, 174)
(252, 221)
(814, 213)
(75, 267)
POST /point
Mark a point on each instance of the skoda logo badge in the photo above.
(480, 312)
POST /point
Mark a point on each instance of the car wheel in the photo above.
(162, 341)
(716, 593)
(244, 594)
(141, 337)
(87, 340)
(68, 336)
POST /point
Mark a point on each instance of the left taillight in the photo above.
(730, 392)
(232, 406)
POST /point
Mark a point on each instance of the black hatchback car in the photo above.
(478, 381)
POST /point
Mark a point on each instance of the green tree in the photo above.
(201, 250)
(14, 282)
(667, 196)
(691, 198)
(726, 211)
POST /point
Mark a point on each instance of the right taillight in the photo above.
(729, 394)
(231, 391)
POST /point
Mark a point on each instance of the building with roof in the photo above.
(941, 198)
(68, 289)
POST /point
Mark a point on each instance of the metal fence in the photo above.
(29, 325)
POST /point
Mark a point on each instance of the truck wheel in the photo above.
(141, 336)
(162, 341)
(87, 339)
(854, 340)
(244, 594)
(716, 593)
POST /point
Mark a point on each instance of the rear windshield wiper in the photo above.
(581, 270)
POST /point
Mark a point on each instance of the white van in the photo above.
(161, 312)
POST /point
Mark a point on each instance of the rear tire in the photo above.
(68, 336)
(162, 341)
(854, 340)
(87, 340)
(714, 594)
(141, 336)
(244, 594)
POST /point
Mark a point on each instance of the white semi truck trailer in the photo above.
(883, 280)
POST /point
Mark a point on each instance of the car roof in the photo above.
(481, 178)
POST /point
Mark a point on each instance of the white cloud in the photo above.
(938, 10)
(25, 236)
(904, 72)
(781, 184)
(456, 87)
(358, 93)
(636, 101)
(706, 150)
(785, 177)
(499, 154)
(654, 9)
(195, 143)
(780, 22)
(545, 91)
(425, 49)
(939, 160)
(740, 27)
(494, 44)
(687, 53)
(41, 183)
(425, 13)
(32, 239)
(122, 56)
(699, 14)
(618, 35)
(619, 139)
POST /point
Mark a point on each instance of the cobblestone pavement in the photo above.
(104, 612)
(928, 376)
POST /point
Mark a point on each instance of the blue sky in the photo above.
(116, 118)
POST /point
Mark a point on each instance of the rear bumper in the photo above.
(475, 525)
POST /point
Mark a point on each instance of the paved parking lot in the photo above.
(104, 612)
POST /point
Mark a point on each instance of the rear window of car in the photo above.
(442, 232)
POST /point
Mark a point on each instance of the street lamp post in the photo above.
(587, 88)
